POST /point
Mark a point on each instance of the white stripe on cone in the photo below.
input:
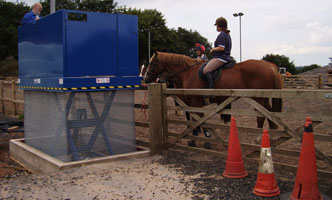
(265, 162)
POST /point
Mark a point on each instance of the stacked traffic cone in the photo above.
(266, 184)
(234, 163)
(306, 183)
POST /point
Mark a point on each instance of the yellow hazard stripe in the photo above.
(81, 88)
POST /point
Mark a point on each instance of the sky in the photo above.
(298, 29)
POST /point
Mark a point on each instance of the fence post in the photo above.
(320, 81)
(164, 118)
(2, 96)
(13, 96)
(156, 131)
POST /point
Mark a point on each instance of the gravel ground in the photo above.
(211, 185)
(9, 168)
(132, 179)
(172, 175)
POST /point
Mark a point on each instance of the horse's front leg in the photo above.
(224, 117)
(199, 102)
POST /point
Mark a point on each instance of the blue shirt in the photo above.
(223, 40)
(28, 18)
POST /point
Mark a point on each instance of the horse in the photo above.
(250, 74)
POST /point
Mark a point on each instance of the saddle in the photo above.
(216, 74)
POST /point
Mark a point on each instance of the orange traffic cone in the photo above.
(234, 163)
(306, 183)
(266, 184)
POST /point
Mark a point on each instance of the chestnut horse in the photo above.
(250, 74)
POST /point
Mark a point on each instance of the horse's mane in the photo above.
(176, 59)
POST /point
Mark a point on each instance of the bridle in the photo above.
(166, 77)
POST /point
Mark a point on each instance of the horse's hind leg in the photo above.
(226, 118)
(260, 120)
(269, 108)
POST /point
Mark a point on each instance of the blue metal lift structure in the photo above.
(77, 51)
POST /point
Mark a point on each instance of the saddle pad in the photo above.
(217, 73)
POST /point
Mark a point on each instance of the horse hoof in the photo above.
(192, 143)
(178, 112)
(207, 145)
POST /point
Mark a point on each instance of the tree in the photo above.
(9, 67)
(149, 20)
(307, 68)
(60, 4)
(184, 42)
(104, 6)
(281, 61)
(162, 38)
(10, 19)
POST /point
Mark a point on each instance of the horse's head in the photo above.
(154, 69)
(170, 66)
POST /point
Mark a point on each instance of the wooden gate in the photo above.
(162, 137)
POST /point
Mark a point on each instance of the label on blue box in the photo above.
(102, 80)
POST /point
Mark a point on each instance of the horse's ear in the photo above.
(155, 51)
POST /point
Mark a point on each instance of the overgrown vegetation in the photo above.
(284, 61)
(281, 61)
(307, 68)
(9, 67)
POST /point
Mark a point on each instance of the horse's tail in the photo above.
(278, 84)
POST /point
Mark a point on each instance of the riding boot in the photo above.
(209, 80)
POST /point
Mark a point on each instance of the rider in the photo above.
(221, 51)
(200, 52)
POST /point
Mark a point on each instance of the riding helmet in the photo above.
(200, 47)
(221, 22)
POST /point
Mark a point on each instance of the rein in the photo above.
(174, 73)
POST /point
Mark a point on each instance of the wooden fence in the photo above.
(319, 81)
(161, 137)
(11, 98)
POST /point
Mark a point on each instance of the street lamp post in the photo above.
(52, 6)
(240, 14)
(149, 42)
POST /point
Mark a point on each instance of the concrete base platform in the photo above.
(40, 162)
